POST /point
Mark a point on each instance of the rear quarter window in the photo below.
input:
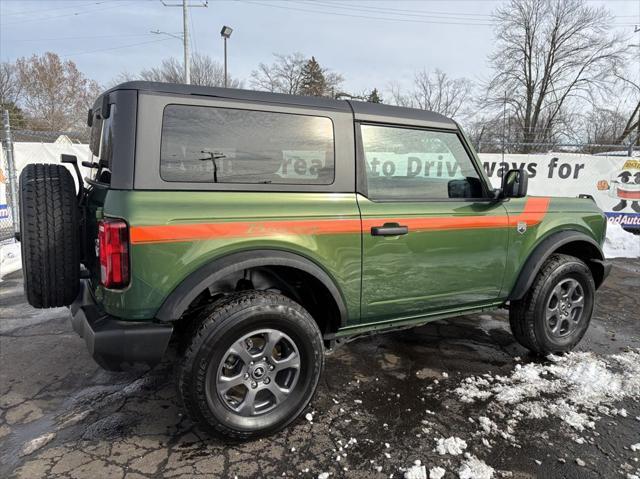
(225, 145)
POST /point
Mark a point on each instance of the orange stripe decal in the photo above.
(532, 214)
(233, 229)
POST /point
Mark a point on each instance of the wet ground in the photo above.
(382, 403)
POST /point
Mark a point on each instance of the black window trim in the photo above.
(361, 174)
(249, 186)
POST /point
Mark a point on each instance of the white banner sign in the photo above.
(613, 181)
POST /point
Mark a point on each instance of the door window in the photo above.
(412, 164)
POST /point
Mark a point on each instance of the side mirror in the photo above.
(514, 184)
(469, 187)
(90, 118)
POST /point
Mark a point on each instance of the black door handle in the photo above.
(389, 229)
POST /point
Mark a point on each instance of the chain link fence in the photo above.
(9, 219)
(9, 167)
(597, 149)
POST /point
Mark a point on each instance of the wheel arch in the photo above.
(573, 243)
(280, 264)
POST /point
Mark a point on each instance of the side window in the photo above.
(411, 164)
(224, 145)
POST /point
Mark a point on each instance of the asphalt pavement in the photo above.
(383, 404)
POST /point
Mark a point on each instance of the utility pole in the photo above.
(185, 39)
(185, 33)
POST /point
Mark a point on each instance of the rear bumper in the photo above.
(114, 344)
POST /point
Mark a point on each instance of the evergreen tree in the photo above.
(374, 96)
(16, 115)
(313, 80)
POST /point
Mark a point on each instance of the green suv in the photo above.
(259, 229)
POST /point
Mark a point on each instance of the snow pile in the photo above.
(451, 445)
(10, 259)
(573, 388)
(417, 471)
(619, 243)
(474, 468)
(437, 472)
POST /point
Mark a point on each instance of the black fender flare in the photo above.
(546, 248)
(181, 297)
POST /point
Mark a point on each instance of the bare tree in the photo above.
(56, 95)
(436, 91)
(10, 87)
(286, 75)
(603, 125)
(548, 54)
(632, 123)
(10, 94)
(205, 71)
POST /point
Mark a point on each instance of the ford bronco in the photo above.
(257, 229)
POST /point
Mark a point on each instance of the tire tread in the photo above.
(522, 318)
(193, 398)
(49, 235)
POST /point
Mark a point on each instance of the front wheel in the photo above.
(555, 313)
(252, 366)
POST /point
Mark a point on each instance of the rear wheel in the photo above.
(555, 313)
(49, 235)
(252, 366)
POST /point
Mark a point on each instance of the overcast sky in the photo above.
(371, 43)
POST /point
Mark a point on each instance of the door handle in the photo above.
(389, 229)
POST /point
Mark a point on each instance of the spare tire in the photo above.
(49, 234)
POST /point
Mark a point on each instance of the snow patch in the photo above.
(474, 468)
(10, 259)
(582, 383)
(619, 243)
(437, 473)
(37, 443)
(451, 445)
(417, 471)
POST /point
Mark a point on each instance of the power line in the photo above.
(73, 14)
(401, 11)
(69, 7)
(408, 20)
(114, 48)
(85, 37)
(421, 13)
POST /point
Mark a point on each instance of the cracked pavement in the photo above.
(62, 416)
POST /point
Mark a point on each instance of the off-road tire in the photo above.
(221, 325)
(49, 235)
(526, 316)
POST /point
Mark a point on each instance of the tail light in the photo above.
(113, 242)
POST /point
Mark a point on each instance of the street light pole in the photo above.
(225, 33)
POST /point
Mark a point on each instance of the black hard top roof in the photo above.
(365, 111)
